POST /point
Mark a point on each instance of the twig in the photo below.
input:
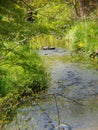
(41, 109)
(70, 99)
(58, 114)
(19, 103)
(59, 94)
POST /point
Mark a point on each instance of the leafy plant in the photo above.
(23, 67)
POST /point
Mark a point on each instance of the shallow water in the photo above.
(72, 97)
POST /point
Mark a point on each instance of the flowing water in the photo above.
(71, 99)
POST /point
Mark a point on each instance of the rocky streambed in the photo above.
(71, 100)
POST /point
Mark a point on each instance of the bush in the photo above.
(21, 68)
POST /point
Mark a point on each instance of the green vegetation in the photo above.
(27, 25)
(83, 36)
(22, 73)
(22, 68)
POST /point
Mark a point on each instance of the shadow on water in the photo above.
(71, 98)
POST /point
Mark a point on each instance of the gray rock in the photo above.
(63, 127)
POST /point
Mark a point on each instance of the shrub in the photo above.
(21, 68)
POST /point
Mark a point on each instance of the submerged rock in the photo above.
(48, 48)
(63, 127)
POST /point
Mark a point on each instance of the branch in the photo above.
(71, 99)
(9, 50)
(58, 114)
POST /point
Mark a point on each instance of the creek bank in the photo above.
(75, 88)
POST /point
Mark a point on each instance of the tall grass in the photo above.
(84, 36)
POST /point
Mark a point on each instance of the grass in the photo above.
(84, 37)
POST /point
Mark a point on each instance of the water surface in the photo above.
(72, 97)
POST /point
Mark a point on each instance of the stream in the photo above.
(71, 100)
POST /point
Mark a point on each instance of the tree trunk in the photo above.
(82, 8)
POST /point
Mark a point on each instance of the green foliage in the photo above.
(83, 36)
(56, 16)
(12, 17)
(21, 75)
(21, 68)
